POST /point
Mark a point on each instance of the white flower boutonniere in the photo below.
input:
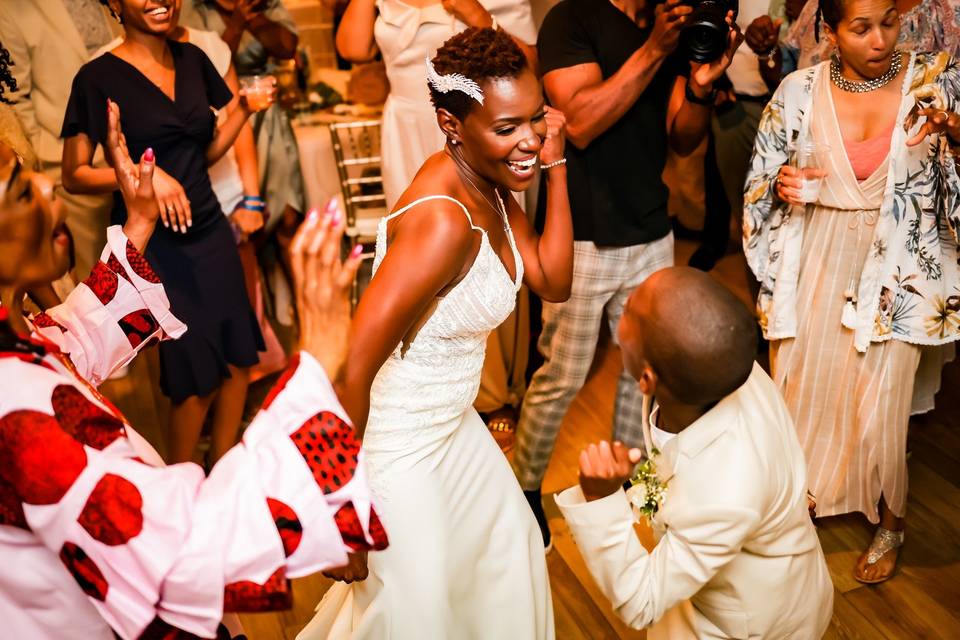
(647, 494)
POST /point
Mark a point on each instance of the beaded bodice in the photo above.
(425, 386)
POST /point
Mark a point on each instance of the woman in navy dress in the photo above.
(167, 92)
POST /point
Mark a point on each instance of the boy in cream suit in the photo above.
(736, 555)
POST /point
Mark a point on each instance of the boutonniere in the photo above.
(646, 493)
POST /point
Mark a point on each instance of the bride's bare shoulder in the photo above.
(429, 211)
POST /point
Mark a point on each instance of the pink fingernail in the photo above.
(313, 215)
(335, 218)
(333, 204)
(357, 250)
(148, 155)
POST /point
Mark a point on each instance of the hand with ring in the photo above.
(938, 121)
(789, 181)
(174, 204)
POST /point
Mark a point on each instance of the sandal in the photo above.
(502, 425)
(884, 541)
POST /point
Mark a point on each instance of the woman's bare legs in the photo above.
(228, 412)
(186, 421)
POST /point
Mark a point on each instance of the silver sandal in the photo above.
(884, 541)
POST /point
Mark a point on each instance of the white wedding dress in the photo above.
(466, 557)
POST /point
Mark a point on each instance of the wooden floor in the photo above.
(921, 601)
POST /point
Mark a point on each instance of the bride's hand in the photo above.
(354, 571)
(555, 140)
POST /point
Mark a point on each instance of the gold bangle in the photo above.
(555, 163)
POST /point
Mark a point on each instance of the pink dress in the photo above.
(866, 155)
(99, 540)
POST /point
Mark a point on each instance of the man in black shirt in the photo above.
(608, 65)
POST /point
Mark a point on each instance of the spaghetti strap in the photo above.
(435, 197)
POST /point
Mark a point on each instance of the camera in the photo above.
(704, 38)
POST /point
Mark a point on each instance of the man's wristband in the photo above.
(692, 97)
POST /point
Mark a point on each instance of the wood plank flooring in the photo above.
(921, 601)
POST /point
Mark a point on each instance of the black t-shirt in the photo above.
(617, 195)
(178, 130)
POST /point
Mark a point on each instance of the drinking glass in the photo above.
(257, 89)
(810, 159)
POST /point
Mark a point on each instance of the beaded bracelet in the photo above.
(555, 163)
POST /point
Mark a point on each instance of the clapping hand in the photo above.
(938, 121)
(555, 141)
(605, 467)
(704, 74)
(323, 284)
(136, 183)
(763, 34)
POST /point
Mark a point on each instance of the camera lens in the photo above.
(704, 39)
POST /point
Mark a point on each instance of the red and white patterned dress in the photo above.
(98, 538)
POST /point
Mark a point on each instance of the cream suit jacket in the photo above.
(736, 555)
(47, 52)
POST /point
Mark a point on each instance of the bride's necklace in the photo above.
(865, 85)
(501, 210)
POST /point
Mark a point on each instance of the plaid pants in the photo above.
(603, 279)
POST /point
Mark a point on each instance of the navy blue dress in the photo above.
(201, 269)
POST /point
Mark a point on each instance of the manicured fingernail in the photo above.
(335, 218)
(313, 215)
(333, 203)
(166, 224)
(148, 155)
(190, 222)
(357, 250)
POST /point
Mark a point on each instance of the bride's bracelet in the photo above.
(555, 163)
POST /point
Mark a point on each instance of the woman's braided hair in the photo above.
(478, 54)
(829, 12)
(7, 81)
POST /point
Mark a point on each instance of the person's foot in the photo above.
(879, 561)
(502, 425)
(534, 499)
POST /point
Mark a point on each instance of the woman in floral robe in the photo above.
(854, 285)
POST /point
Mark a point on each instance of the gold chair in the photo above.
(356, 148)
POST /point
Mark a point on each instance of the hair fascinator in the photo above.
(453, 82)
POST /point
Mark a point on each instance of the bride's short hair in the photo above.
(477, 54)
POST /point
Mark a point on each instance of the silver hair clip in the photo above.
(453, 82)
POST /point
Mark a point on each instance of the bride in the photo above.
(466, 557)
